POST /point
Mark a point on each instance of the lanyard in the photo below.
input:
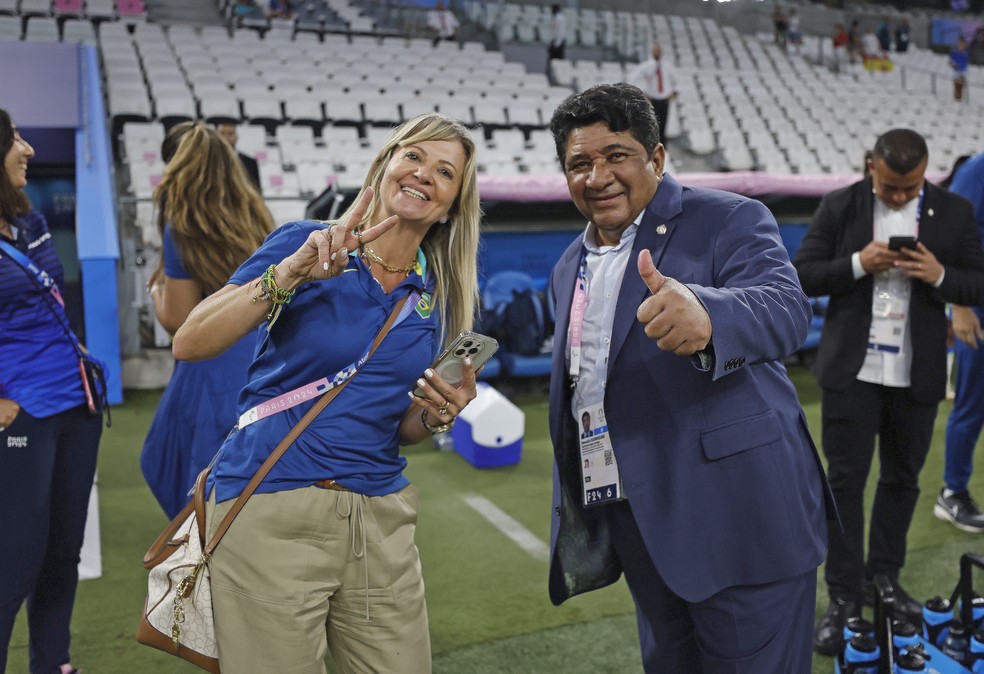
(47, 283)
(315, 388)
(576, 321)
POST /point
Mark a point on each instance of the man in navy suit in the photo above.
(891, 250)
(675, 309)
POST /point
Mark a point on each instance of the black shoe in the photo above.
(828, 636)
(906, 608)
(961, 510)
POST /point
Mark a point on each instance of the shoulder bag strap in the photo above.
(45, 283)
(288, 441)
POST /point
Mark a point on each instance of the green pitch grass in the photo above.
(487, 598)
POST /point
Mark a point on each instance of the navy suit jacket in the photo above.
(718, 465)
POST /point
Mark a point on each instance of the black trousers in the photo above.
(661, 106)
(852, 418)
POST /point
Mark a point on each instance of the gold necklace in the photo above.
(371, 254)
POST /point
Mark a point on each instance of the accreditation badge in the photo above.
(600, 479)
(887, 323)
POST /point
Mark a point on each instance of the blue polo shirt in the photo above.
(40, 368)
(326, 327)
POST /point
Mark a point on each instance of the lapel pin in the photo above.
(930, 212)
(661, 229)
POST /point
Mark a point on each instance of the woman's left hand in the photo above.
(441, 400)
(9, 409)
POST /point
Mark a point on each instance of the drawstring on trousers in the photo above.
(358, 528)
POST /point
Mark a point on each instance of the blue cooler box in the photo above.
(489, 432)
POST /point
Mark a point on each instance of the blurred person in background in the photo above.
(902, 31)
(959, 62)
(442, 22)
(558, 33)
(211, 220)
(882, 356)
(963, 428)
(48, 437)
(229, 131)
(656, 77)
(323, 555)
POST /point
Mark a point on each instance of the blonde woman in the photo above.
(211, 220)
(323, 554)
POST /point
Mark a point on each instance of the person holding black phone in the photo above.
(49, 438)
(890, 250)
(323, 554)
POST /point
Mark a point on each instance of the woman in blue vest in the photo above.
(323, 555)
(210, 219)
(48, 438)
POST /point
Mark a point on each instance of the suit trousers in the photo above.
(967, 418)
(739, 630)
(852, 418)
(46, 471)
(306, 570)
(661, 106)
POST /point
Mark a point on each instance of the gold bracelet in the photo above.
(434, 430)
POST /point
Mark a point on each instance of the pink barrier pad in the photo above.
(530, 188)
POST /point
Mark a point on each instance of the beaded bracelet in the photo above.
(269, 290)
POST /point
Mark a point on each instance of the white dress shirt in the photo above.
(605, 268)
(655, 78)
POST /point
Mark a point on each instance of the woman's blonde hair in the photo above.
(451, 248)
(217, 218)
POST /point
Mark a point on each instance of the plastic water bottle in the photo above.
(957, 642)
(976, 659)
(858, 625)
(861, 655)
(910, 663)
(444, 442)
(904, 635)
(937, 617)
(977, 608)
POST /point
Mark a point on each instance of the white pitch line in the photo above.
(516, 532)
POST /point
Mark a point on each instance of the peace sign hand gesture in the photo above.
(324, 254)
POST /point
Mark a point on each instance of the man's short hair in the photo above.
(902, 150)
(623, 107)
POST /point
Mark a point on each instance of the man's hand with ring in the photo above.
(920, 264)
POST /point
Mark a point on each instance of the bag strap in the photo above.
(47, 285)
(271, 460)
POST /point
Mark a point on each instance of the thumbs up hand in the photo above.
(673, 315)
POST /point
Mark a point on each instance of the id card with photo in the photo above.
(887, 324)
(600, 479)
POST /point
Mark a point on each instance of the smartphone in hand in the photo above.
(450, 364)
(900, 242)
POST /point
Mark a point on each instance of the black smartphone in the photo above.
(900, 242)
(449, 364)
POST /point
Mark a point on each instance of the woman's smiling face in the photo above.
(15, 163)
(422, 181)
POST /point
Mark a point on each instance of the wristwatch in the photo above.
(435, 430)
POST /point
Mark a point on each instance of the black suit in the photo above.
(854, 412)
(252, 170)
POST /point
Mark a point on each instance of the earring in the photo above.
(444, 220)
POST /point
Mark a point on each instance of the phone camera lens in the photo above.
(472, 351)
(468, 343)
(460, 352)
